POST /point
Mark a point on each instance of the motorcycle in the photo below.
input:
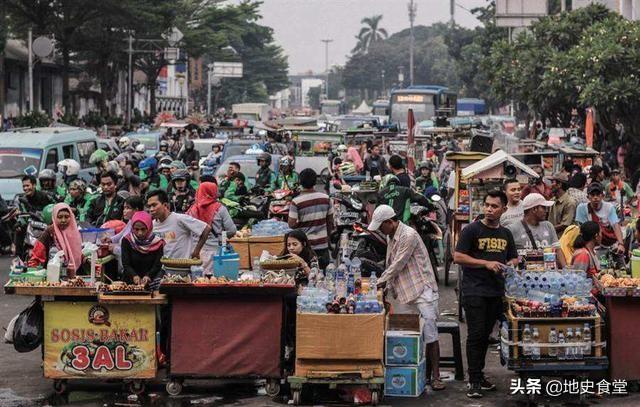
(423, 220)
(34, 226)
(251, 208)
(347, 210)
(370, 247)
(279, 205)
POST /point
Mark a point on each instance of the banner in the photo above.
(90, 340)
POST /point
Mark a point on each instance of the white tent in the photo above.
(362, 110)
(493, 161)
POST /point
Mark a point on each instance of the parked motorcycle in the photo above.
(423, 220)
(347, 211)
(279, 205)
(370, 247)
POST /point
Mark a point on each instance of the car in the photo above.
(248, 166)
(204, 146)
(150, 139)
(235, 147)
(33, 150)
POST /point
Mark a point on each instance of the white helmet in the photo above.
(140, 148)
(124, 142)
(342, 148)
(68, 167)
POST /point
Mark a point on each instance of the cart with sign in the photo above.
(99, 336)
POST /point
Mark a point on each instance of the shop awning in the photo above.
(495, 159)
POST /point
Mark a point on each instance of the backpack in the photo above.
(566, 240)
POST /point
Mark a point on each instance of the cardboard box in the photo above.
(315, 368)
(340, 336)
(405, 381)
(272, 244)
(403, 348)
(241, 246)
(404, 322)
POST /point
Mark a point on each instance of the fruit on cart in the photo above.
(176, 279)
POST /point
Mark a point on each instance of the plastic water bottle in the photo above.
(330, 272)
(373, 285)
(341, 282)
(553, 339)
(586, 337)
(577, 350)
(561, 349)
(535, 350)
(351, 283)
(526, 340)
(570, 338)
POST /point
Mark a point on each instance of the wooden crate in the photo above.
(319, 368)
(272, 244)
(544, 325)
(241, 246)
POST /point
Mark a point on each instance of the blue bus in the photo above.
(427, 102)
(471, 107)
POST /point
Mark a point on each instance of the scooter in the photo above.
(370, 247)
(423, 220)
(347, 211)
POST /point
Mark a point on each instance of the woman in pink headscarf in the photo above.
(64, 235)
(142, 251)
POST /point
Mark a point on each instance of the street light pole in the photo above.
(382, 74)
(30, 41)
(326, 63)
(412, 16)
(130, 81)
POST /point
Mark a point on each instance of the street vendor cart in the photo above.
(581, 155)
(475, 180)
(91, 335)
(226, 330)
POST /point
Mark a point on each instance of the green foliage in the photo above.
(93, 119)
(33, 119)
(369, 34)
(70, 119)
(314, 97)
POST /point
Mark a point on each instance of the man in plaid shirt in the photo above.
(410, 280)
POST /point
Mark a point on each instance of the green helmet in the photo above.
(387, 180)
(98, 156)
(47, 214)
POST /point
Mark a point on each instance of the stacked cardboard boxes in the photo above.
(405, 366)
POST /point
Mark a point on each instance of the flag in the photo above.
(411, 142)
(588, 127)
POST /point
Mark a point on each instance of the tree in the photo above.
(369, 34)
(314, 97)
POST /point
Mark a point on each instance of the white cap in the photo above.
(382, 213)
(533, 200)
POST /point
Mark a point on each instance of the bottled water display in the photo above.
(547, 286)
(270, 227)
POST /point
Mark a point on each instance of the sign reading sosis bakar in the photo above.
(92, 340)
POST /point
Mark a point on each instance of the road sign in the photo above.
(174, 36)
(42, 46)
(227, 69)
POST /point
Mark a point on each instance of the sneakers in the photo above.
(474, 391)
(486, 385)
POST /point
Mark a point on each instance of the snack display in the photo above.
(279, 264)
(120, 287)
(180, 263)
(566, 307)
(77, 282)
(619, 286)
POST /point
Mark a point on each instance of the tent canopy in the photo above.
(493, 161)
(363, 109)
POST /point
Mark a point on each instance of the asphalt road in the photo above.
(22, 382)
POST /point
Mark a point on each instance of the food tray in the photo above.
(180, 263)
(122, 292)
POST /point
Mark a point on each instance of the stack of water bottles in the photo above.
(548, 286)
(270, 227)
(339, 291)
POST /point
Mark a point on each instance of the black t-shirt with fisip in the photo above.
(492, 244)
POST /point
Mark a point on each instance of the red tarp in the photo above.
(226, 337)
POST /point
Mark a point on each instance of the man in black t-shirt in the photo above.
(484, 249)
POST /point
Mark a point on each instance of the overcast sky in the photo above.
(300, 25)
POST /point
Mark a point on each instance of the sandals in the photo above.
(437, 385)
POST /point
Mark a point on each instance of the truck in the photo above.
(258, 112)
(331, 107)
(471, 107)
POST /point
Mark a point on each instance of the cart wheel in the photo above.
(174, 387)
(137, 387)
(272, 387)
(296, 397)
(60, 386)
(375, 398)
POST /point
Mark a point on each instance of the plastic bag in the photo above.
(8, 335)
(28, 329)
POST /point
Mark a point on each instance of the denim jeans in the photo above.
(481, 314)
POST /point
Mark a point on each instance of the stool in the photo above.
(455, 361)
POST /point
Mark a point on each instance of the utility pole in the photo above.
(413, 8)
(130, 81)
(452, 11)
(30, 42)
(326, 64)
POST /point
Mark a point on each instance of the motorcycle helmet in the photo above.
(68, 167)
(148, 164)
(342, 148)
(180, 174)
(98, 156)
(178, 165)
(164, 144)
(388, 180)
(135, 143)
(47, 175)
(124, 142)
(264, 157)
(112, 166)
(79, 184)
(136, 158)
(47, 214)
(140, 148)
(425, 164)
(285, 162)
(348, 168)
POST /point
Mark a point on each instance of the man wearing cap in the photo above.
(563, 213)
(534, 231)
(410, 280)
(618, 191)
(603, 213)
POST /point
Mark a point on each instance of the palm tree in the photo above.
(369, 34)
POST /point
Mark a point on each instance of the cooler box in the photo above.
(226, 265)
(405, 381)
(635, 263)
(31, 275)
(403, 348)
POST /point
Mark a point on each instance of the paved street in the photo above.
(22, 383)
